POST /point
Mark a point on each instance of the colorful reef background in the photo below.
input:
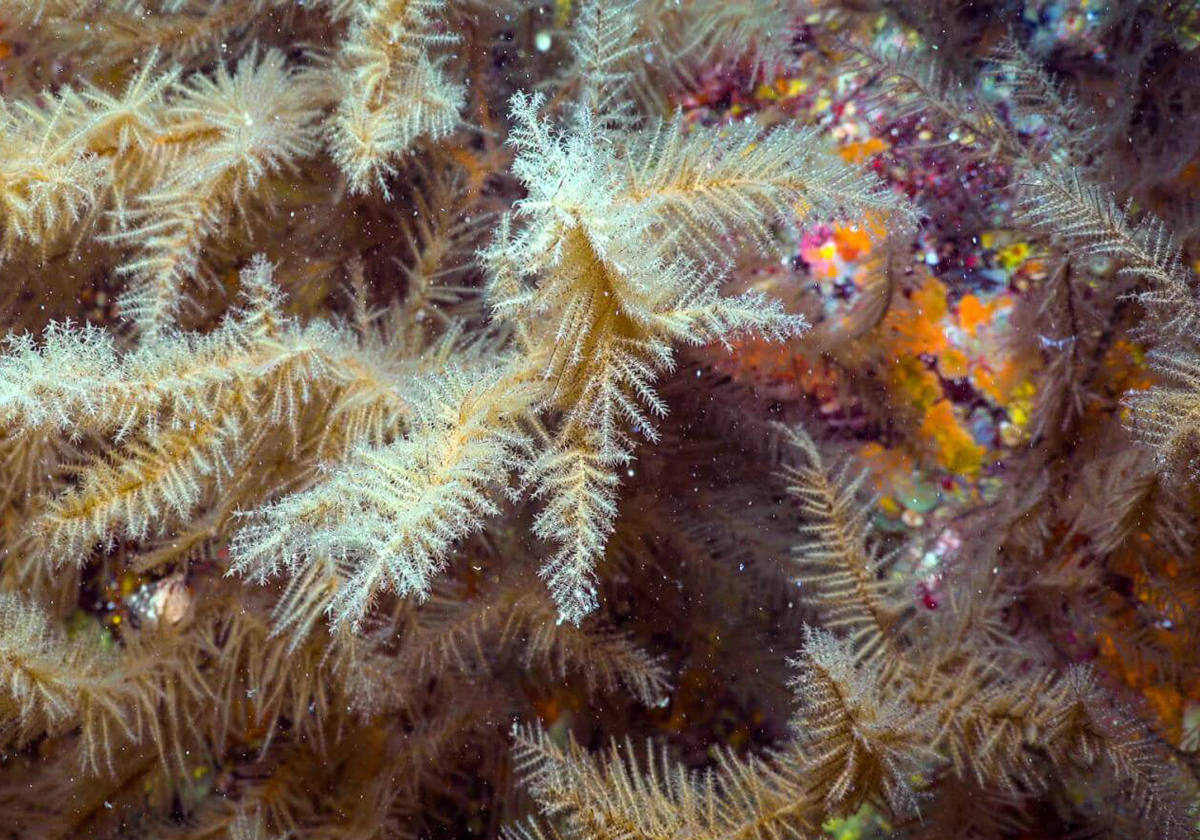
(595, 419)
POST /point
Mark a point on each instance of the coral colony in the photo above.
(599, 419)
